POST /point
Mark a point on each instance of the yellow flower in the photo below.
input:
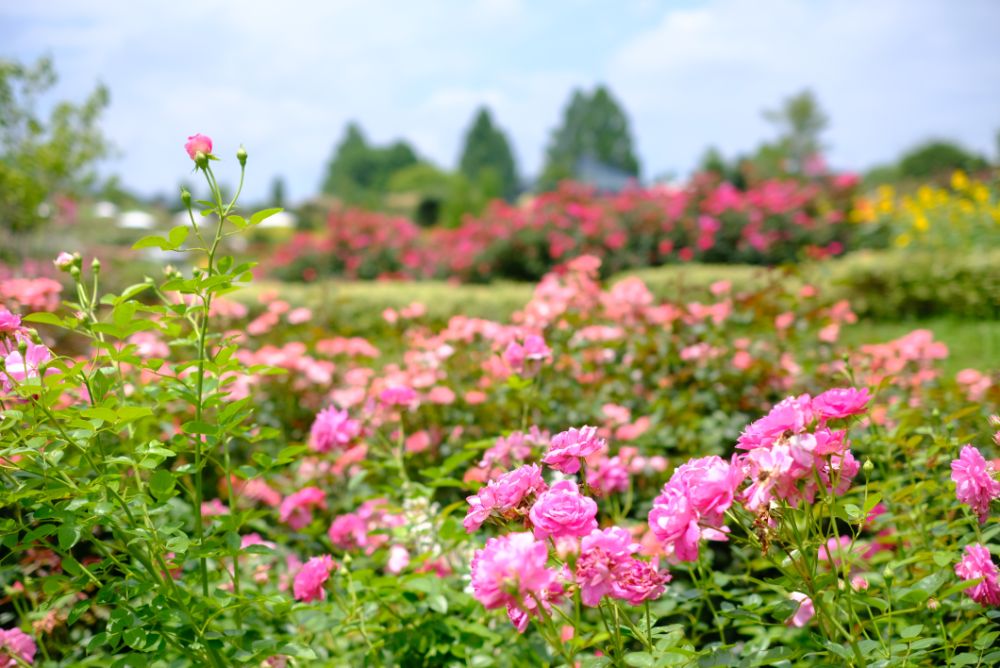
(903, 240)
(920, 222)
(959, 181)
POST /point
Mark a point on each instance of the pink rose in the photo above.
(198, 143)
(804, 612)
(563, 511)
(568, 447)
(308, 585)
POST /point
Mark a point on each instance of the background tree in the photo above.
(360, 173)
(938, 157)
(486, 156)
(43, 157)
(800, 122)
(593, 126)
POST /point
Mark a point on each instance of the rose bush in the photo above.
(605, 478)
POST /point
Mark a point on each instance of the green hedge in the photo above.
(906, 284)
(881, 285)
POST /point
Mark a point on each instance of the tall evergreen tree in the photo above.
(486, 156)
(359, 173)
(594, 126)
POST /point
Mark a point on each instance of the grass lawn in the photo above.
(971, 343)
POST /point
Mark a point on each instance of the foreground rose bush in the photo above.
(603, 479)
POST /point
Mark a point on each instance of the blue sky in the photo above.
(283, 78)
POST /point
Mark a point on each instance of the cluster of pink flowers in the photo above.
(692, 505)
(606, 567)
(636, 227)
(296, 509)
(978, 563)
(358, 530)
(793, 444)
(975, 481)
(513, 570)
(23, 359)
(508, 497)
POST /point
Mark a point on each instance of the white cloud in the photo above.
(284, 78)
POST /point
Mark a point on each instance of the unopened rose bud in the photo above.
(64, 261)
(932, 604)
(74, 271)
(241, 155)
(186, 198)
(888, 575)
(868, 467)
(22, 347)
(95, 266)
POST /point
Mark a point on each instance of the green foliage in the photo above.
(936, 158)
(486, 156)
(359, 173)
(594, 126)
(893, 285)
(43, 157)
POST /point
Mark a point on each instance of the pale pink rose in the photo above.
(399, 559)
(804, 612)
(299, 316)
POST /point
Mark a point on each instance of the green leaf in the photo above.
(152, 242)
(239, 222)
(161, 484)
(260, 216)
(179, 235)
(68, 535)
(195, 427)
(438, 603)
(911, 631)
(44, 318)
(640, 659)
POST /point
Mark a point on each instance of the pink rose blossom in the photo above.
(974, 481)
(16, 644)
(675, 523)
(510, 570)
(804, 612)
(18, 368)
(840, 403)
(710, 484)
(636, 581)
(9, 322)
(196, 144)
(64, 261)
(563, 511)
(600, 552)
(568, 447)
(333, 429)
(308, 585)
(399, 395)
(509, 496)
(399, 559)
(978, 563)
(296, 509)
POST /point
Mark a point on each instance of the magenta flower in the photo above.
(675, 523)
(563, 511)
(790, 415)
(510, 570)
(296, 509)
(804, 612)
(569, 447)
(308, 584)
(840, 403)
(978, 563)
(15, 644)
(509, 496)
(196, 144)
(974, 482)
(333, 429)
